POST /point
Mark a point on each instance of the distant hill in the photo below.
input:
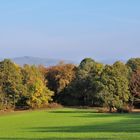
(50, 62)
(37, 61)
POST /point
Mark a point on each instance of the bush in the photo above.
(125, 109)
(54, 105)
(102, 110)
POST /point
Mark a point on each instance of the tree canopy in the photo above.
(91, 83)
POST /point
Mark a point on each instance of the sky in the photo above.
(70, 29)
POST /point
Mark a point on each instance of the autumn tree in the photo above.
(2, 99)
(59, 77)
(10, 83)
(134, 64)
(135, 86)
(38, 95)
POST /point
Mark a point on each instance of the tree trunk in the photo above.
(110, 109)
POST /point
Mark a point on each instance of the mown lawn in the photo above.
(69, 124)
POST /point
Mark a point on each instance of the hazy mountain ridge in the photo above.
(37, 61)
(48, 61)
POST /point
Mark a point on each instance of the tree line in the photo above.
(91, 83)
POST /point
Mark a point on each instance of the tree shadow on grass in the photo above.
(54, 138)
(129, 125)
(72, 111)
(93, 114)
(110, 115)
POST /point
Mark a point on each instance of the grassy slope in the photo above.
(69, 124)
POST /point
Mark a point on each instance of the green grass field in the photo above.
(69, 124)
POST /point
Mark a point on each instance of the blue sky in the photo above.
(70, 29)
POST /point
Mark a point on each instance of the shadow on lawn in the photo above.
(110, 115)
(72, 111)
(118, 127)
(128, 125)
(56, 138)
(93, 114)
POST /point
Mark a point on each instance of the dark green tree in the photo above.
(84, 87)
(134, 63)
(10, 83)
(114, 86)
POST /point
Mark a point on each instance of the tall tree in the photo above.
(84, 87)
(134, 63)
(115, 86)
(135, 86)
(10, 83)
(59, 77)
(38, 94)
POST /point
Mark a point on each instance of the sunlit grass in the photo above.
(69, 124)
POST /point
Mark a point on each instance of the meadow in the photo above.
(69, 124)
